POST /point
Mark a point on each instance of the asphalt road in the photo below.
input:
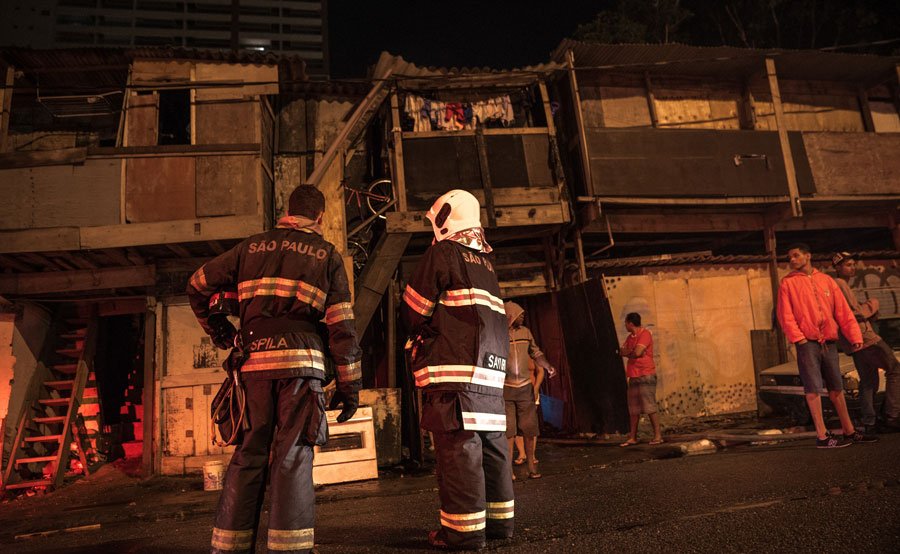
(789, 497)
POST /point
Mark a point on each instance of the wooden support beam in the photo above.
(484, 166)
(512, 216)
(179, 250)
(393, 297)
(6, 107)
(781, 125)
(10, 262)
(865, 109)
(42, 158)
(549, 273)
(39, 260)
(398, 171)
(117, 256)
(651, 100)
(579, 119)
(148, 398)
(579, 255)
(376, 277)
(216, 247)
(771, 252)
(180, 265)
(747, 112)
(77, 280)
(134, 256)
(168, 232)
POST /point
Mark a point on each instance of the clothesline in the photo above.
(431, 115)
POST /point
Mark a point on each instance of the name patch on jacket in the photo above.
(268, 344)
(293, 246)
(493, 361)
(471, 258)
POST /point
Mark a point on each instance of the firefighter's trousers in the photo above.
(287, 417)
(475, 486)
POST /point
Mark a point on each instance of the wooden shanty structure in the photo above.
(693, 170)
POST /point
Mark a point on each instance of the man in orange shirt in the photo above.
(811, 308)
(641, 373)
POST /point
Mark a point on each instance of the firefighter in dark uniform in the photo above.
(287, 279)
(459, 348)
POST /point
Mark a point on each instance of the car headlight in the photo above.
(767, 380)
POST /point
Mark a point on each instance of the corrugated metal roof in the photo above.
(405, 70)
(728, 62)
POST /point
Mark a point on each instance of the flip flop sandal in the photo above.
(627, 443)
(519, 461)
(534, 475)
(655, 442)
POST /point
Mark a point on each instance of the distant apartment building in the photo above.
(292, 27)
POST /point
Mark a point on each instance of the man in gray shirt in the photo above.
(874, 354)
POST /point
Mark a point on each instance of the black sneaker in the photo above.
(832, 441)
(858, 436)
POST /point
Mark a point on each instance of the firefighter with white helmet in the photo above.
(460, 345)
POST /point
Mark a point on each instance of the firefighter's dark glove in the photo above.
(222, 332)
(350, 401)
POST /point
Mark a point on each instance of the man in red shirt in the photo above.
(641, 373)
(811, 307)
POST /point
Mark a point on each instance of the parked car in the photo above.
(781, 389)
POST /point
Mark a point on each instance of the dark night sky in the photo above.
(500, 34)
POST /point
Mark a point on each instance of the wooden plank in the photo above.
(190, 230)
(142, 120)
(781, 125)
(261, 79)
(174, 150)
(6, 95)
(677, 223)
(227, 185)
(663, 201)
(156, 72)
(413, 135)
(160, 189)
(579, 255)
(50, 240)
(747, 111)
(40, 158)
(81, 279)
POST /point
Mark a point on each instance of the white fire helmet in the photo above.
(455, 211)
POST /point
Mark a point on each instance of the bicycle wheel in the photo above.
(378, 194)
(360, 257)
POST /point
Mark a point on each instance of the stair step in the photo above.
(35, 460)
(44, 438)
(70, 352)
(50, 419)
(66, 368)
(28, 484)
(54, 401)
(60, 385)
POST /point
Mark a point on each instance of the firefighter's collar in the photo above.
(300, 223)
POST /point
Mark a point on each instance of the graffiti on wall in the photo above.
(206, 355)
(881, 282)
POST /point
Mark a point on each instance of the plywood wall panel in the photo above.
(227, 122)
(160, 189)
(263, 77)
(723, 319)
(623, 107)
(81, 195)
(17, 190)
(227, 185)
(679, 381)
(854, 163)
(162, 71)
(178, 432)
(188, 348)
(884, 116)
